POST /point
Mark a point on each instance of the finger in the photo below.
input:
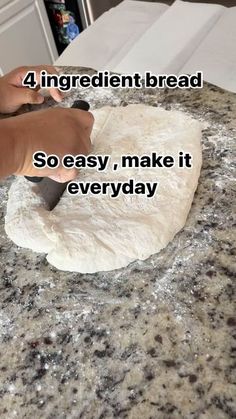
(56, 94)
(24, 95)
(17, 76)
(49, 68)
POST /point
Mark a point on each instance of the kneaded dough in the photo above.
(97, 233)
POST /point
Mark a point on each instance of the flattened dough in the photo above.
(98, 233)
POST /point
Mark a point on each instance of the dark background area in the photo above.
(70, 5)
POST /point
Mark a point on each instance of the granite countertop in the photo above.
(154, 340)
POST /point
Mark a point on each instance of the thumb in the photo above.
(23, 95)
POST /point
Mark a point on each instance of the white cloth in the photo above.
(217, 54)
(171, 39)
(103, 44)
(141, 36)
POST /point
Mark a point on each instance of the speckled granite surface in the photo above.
(153, 340)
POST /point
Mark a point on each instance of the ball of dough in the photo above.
(89, 233)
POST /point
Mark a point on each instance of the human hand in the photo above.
(13, 95)
(57, 131)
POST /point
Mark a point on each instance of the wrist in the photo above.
(2, 95)
(8, 149)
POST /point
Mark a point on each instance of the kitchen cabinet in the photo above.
(25, 34)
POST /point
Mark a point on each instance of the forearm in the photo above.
(7, 148)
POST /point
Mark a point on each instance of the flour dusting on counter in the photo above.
(155, 339)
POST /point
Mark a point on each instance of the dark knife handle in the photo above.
(78, 104)
(81, 104)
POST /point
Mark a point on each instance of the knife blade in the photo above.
(49, 189)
